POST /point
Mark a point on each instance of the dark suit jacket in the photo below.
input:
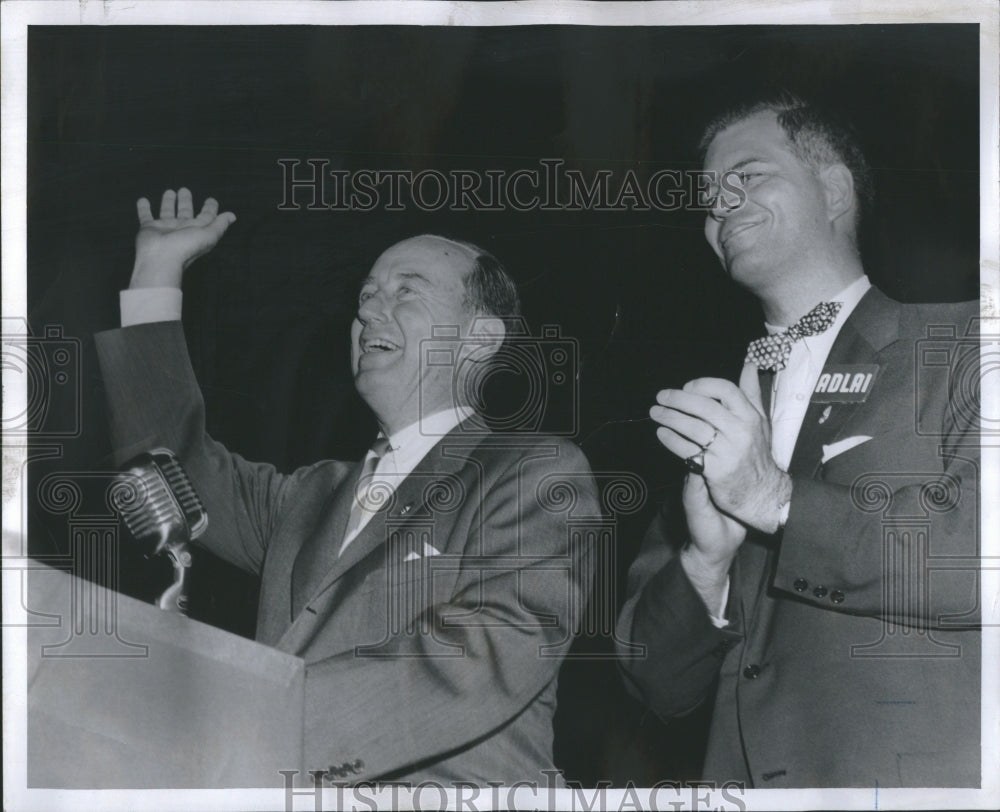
(417, 667)
(852, 654)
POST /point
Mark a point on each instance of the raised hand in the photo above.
(727, 425)
(167, 245)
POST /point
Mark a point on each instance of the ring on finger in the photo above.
(715, 433)
(696, 463)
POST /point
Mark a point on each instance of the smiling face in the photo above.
(783, 229)
(415, 286)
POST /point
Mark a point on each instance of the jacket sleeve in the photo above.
(154, 401)
(682, 649)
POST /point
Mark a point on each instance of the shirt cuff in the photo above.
(146, 305)
(718, 619)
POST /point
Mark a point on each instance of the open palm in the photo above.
(165, 246)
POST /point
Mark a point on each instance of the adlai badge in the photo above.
(845, 383)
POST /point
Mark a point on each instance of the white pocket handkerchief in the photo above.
(428, 552)
(839, 447)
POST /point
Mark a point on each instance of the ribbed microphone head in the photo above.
(157, 501)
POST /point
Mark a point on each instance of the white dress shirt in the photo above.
(792, 388)
(407, 447)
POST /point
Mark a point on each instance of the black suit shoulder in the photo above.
(940, 319)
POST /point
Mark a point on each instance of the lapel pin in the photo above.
(826, 413)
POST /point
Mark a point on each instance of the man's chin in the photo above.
(371, 379)
(741, 267)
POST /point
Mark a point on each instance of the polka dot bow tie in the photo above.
(771, 352)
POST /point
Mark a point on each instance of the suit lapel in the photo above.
(872, 326)
(319, 551)
(409, 500)
(823, 421)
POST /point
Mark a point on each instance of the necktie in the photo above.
(772, 352)
(367, 497)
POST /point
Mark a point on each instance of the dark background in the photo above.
(116, 113)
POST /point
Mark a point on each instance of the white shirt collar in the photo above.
(407, 447)
(425, 432)
(848, 297)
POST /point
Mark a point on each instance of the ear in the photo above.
(489, 333)
(839, 188)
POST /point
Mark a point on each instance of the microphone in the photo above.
(163, 513)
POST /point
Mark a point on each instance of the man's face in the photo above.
(783, 220)
(416, 285)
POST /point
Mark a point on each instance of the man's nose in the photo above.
(725, 203)
(372, 308)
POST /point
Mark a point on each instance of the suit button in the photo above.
(751, 671)
(820, 592)
(801, 585)
(837, 596)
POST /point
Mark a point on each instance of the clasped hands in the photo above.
(724, 429)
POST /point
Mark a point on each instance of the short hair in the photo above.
(818, 137)
(489, 290)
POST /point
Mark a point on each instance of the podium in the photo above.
(122, 695)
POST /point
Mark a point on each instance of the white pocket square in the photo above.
(428, 552)
(839, 447)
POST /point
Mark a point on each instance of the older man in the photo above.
(430, 589)
(826, 588)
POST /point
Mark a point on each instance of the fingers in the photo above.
(179, 205)
(185, 205)
(209, 209)
(209, 216)
(691, 428)
(221, 223)
(676, 443)
(168, 204)
(144, 211)
(697, 405)
(696, 493)
(725, 392)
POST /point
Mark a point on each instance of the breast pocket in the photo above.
(897, 451)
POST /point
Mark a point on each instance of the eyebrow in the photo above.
(414, 275)
(408, 275)
(736, 167)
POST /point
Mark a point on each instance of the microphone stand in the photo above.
(175, 597)
(159, 505)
